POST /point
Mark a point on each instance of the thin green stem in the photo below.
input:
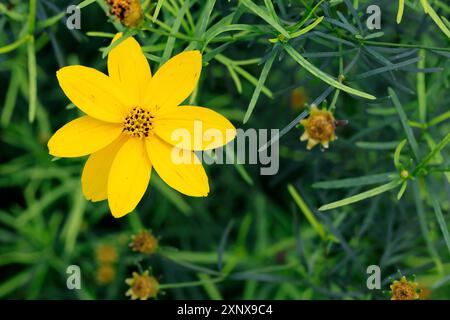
(190, 283)
(404, 45)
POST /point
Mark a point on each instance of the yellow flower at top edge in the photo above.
(128, 130)
(319, 128)
(128, 12)
(404, 290)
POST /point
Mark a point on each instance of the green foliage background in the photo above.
(253, 237)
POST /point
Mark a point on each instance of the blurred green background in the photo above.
(253, 237)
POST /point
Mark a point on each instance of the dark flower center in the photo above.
(321, 127)
(138, 123)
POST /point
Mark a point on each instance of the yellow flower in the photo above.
(319, 128)
(404, 290)
(298, 99)
(105, 274)
(106, 253)
(142, 286)
(128, 12)
(129, 126)
(144, 242)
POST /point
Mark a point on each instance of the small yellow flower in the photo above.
(105, 274)
(404, 290)
(128, 12)
(298, 99)
(142, 286)
(144, 242)
(132, 126)
(319, 128)
(106, 253)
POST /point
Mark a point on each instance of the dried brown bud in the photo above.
(144, 242)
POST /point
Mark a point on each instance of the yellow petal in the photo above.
(94, 179)
(305, 136)
(82, 136)
(174, 81)
(129, 67)
(311, 144)
(94, 93)
(194, 128)
(128, 177)
(180, 169)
